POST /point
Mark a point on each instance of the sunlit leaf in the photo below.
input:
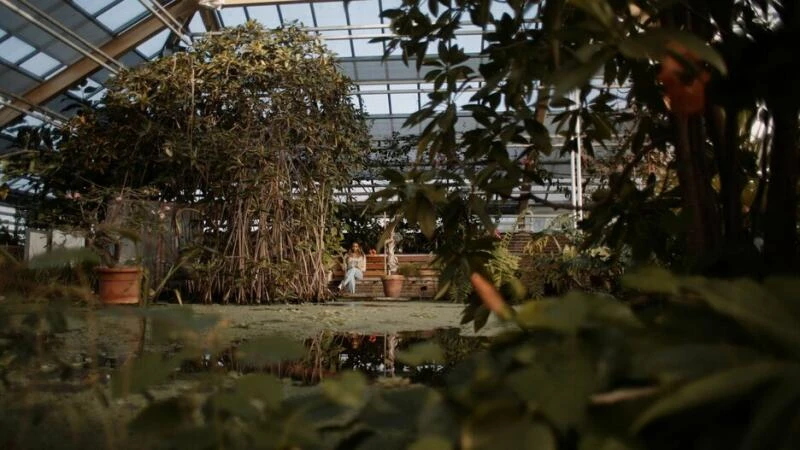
(652, 279)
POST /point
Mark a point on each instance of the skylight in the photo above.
(40, 64)
(14, 49)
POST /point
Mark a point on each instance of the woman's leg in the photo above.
(349, 281)
(357, 275)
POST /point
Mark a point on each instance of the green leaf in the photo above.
(653, 280)
(560, 389)
(565, 315)
(770, 415)
(431, 443)
(423, 352)
(270, 350)
(161, 416)
(426, 216)
(142, 373)
(349, 389)
(577, 76)
(63, 257)
(719, 386)
(264, 387)
(654, 43)
(751, 305)
(504, 431)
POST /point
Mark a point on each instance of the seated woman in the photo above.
(355, 264)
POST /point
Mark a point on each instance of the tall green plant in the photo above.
(252, 127)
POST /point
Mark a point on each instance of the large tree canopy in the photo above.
(254, 128)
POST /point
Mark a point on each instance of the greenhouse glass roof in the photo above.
(56, 52)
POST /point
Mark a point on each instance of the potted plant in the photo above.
(393, 284)
(112, 235)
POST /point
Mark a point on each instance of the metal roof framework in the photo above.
(54, 53)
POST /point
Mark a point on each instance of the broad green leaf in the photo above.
(234, 403)
(652, 280)
(560, 389)
(599, 9)
(421, 353)
(593, 441)
(349, 389)
(504, 431)
(577, 76)
(270, 350)
(426, 215)
(63, 257)
(264, 387)
(142, 373)
(753, 306)
(655, 41)
(719, 386)
(431, 443)
(771, 414)
(162, 416)
(564, 314)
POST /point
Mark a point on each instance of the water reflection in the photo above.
(373, 354)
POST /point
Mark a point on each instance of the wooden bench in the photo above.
(371, 285)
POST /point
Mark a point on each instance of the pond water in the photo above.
(375, 355)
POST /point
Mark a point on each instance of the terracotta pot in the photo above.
(119, 285)
(392, 285)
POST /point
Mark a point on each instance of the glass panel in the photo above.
(404, 103)
(92, 6)
(40, 64)
(232, 17)
(498, 8)
(153, 45)
(362, 47)
(330, 14)
(122, 14)
(376, 104)
(471, 43)
(299, 12)
(268, 15)
(196, 24)
(364, 13)
(14, 49)
(340, 46)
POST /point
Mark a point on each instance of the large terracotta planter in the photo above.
(119, 285)
(392, 285)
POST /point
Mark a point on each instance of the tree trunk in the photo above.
(780, 227)
(703, 234)
(723, 125)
